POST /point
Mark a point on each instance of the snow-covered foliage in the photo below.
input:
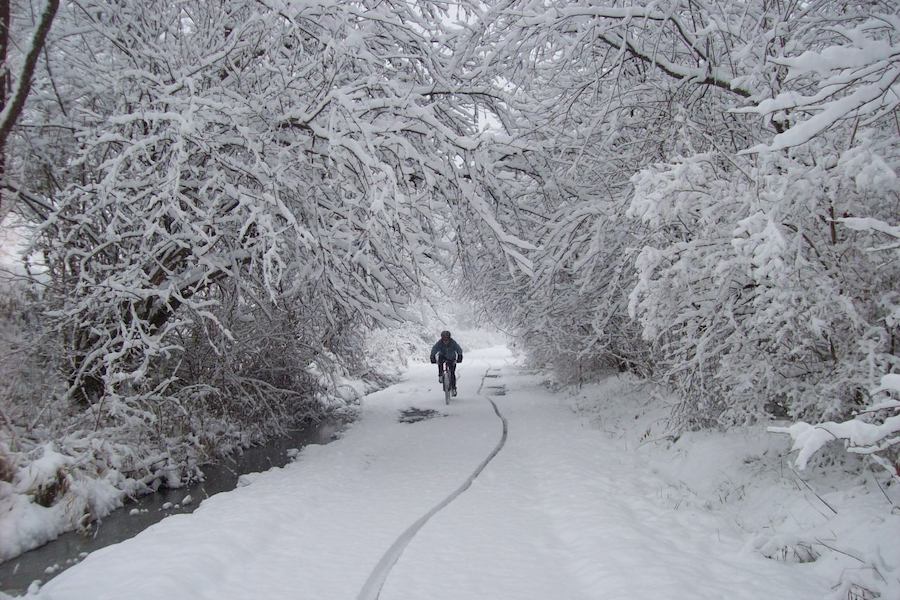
(761, 295)
(713, 194)
(269, 164)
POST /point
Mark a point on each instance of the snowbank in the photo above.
(837, 514)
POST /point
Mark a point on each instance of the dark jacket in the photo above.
(450, 351)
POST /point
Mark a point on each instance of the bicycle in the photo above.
(445, 380)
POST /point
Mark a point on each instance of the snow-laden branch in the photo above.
(613, 26)
(868, 224)
(858, 80)
(859, 436)
(881, 96)
(877, 225)
(705, 75)
(626, 14)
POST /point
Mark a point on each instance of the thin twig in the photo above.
(822, 500)
(833, 549)
(881, 487)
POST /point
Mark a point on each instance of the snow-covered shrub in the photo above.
(67, 465)
(387, 351)
(764, 296)
(27, 386)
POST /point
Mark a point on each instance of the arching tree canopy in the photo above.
(225, 195)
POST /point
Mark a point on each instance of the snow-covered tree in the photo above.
(731, 236)
(301, 147)
(228, 193)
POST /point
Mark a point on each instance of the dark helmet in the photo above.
(445, 335)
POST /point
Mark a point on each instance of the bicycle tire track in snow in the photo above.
(371, 590)
(564, 512)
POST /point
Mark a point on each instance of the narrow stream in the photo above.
(52, 558)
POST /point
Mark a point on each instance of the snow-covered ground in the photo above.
(586, 498)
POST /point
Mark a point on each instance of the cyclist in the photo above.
(446, 350)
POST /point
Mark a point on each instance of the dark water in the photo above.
(54, 557)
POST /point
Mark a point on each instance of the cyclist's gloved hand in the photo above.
(433, 360)
(459, 358)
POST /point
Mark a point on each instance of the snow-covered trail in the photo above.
(563, 513)
(560, 512)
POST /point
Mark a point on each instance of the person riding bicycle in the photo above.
(446, 350)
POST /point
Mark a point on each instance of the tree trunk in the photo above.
(12, 101)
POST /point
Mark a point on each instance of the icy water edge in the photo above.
(47, 561)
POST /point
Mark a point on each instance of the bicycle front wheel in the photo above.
(447, 387)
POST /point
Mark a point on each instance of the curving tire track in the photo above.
(371, 589)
